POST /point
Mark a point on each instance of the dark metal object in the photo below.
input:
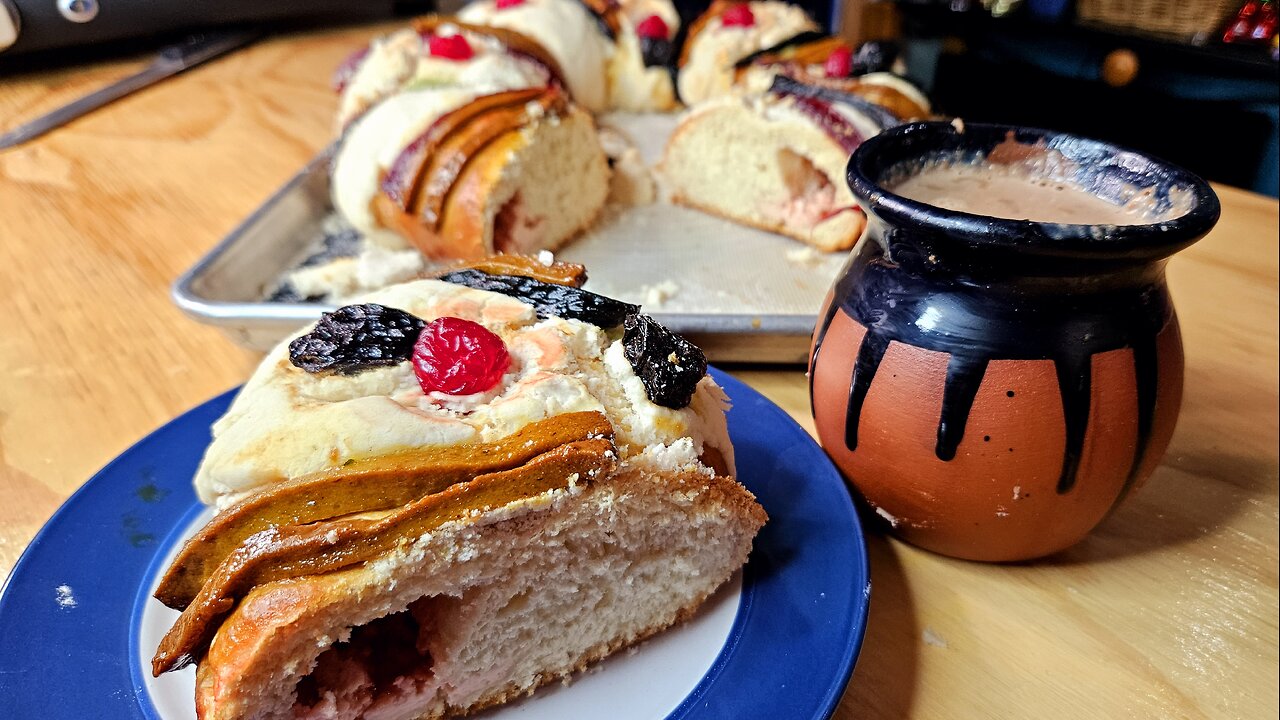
(47, 25)
(172, 60)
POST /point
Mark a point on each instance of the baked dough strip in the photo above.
(380, 483)
(556, 273)
(281, 553)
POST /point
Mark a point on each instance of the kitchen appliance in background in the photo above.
(41, 26)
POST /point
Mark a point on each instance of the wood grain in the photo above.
(1167, 611)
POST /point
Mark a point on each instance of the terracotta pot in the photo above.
(992, 387)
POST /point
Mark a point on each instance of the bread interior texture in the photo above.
(554, 184)
(764, 164)
(479, 613)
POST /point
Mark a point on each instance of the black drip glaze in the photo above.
(977, 321)
(870, 353)
(964, 376)
(983, 289)
(820, 334)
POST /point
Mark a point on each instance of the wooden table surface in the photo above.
(1169, 610)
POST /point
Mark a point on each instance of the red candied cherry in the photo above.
(839, 63)
(738, 16)
(458, 357)
(653, 27)
(504, 4)
(449, 47)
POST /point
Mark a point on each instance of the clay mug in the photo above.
(991, 387)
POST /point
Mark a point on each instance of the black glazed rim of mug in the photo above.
(1102, 165)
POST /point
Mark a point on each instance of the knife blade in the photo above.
(170, 61)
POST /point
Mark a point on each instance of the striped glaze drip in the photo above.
(907, 300)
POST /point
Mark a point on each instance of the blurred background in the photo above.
(1192, 81)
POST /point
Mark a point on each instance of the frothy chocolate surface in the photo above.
(1016, 194)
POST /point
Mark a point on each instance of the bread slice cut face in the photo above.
(486, 609)
(770, 161)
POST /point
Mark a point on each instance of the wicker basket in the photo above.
(1183, 18)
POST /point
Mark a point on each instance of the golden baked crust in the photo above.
(363, 485)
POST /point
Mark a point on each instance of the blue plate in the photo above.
(70, 610)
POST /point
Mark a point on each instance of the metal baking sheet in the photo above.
(743, 295)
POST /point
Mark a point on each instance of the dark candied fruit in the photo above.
(668, 365)
(356, 337)
(548, 299)
(285, 292)
(656, 52)
(872, 57)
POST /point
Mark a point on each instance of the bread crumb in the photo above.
(958, 124)
(656, 295)
(65, 598)
(546, 257)
(804, 256)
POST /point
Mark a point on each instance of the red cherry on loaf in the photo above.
(839, 63)
(738, 16)
(450, 47)
(504, 4)
(458, 357)
(653, 27)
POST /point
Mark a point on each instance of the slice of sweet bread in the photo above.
(387, 548)
(775, 161)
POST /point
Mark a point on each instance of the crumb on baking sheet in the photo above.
(656, 295)
(804, 256)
